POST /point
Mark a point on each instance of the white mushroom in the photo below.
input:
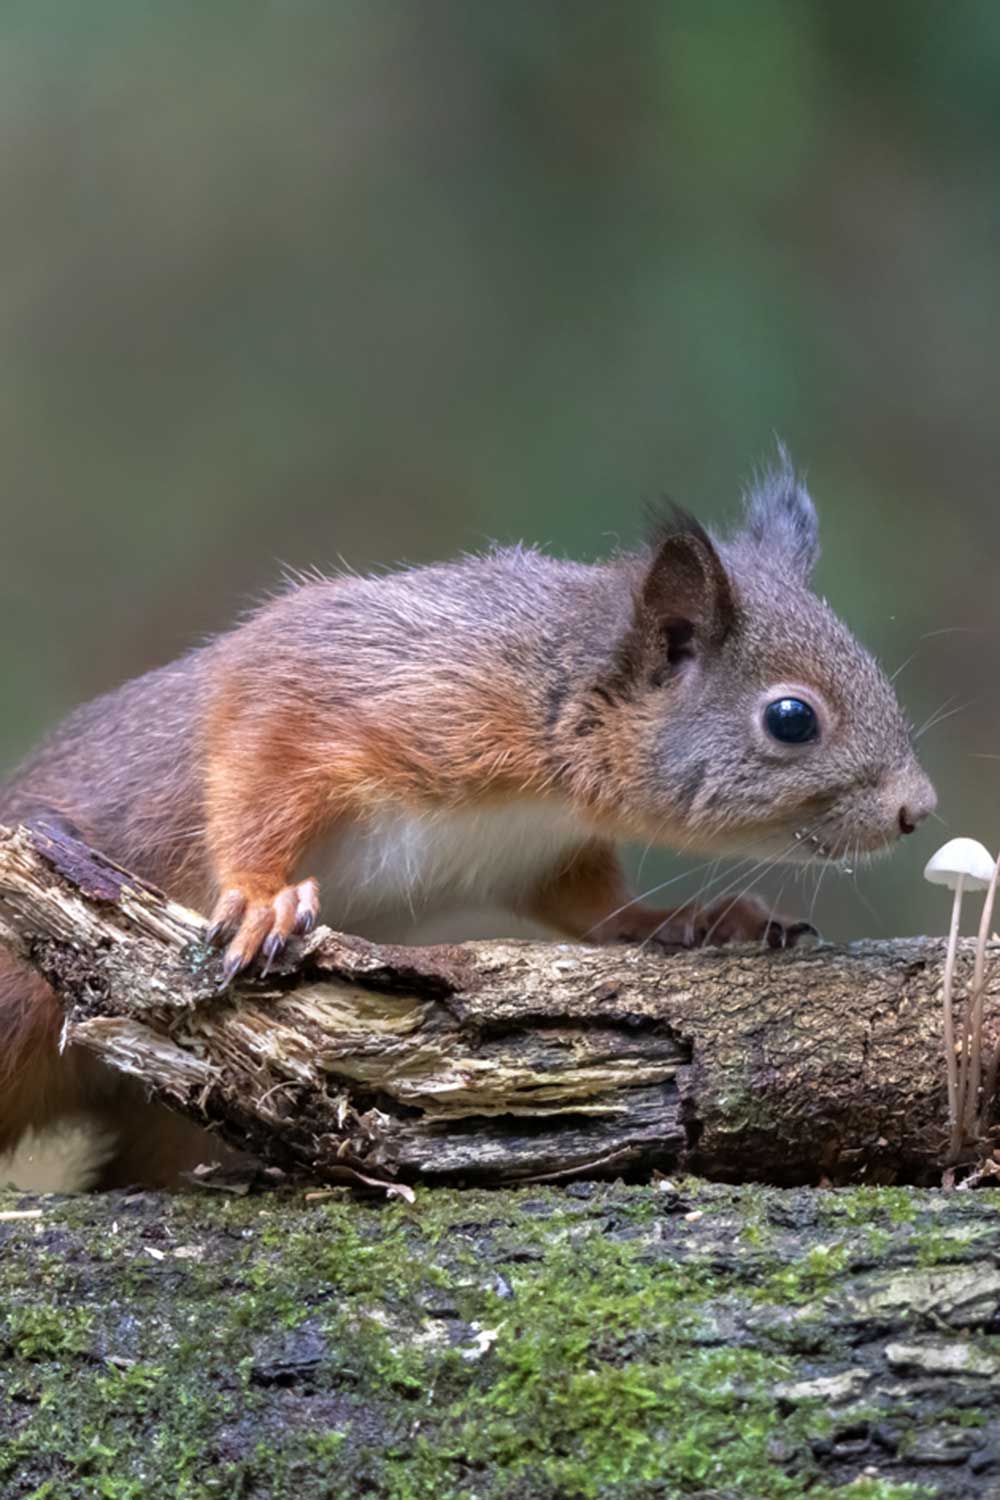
(962, 865)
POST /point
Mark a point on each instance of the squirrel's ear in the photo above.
(781, 517)
(685, 601)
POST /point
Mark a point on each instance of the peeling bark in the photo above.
(501, 1061)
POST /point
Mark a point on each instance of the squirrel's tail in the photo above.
(66, 1121)
(49, 1140)
(68, 1156)
(36, 1083)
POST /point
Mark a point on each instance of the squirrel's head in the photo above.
(757, 720)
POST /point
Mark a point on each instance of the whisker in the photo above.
(929, 635)
(871, 910)
(706, 884)
(933, 715)
(737, 873)
(777, 907)
(934, 721)
(653, 890)
(768, 867)
(653, 838)
(815, 895)
(642, 859)
(720, 895)
(757, 873)
(903, 665)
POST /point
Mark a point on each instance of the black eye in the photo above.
(791, 721)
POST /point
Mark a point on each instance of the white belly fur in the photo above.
(386, 874)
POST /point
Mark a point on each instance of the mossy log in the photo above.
(591, 1342)
(500, 1061)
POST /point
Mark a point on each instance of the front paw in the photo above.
(260, 926)
(744, 920)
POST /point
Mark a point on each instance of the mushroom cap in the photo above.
(957, 858)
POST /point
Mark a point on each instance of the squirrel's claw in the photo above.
(271, 949)
(227, 916)
(307, 906)
(789, 934)
(231, 966)
(260, 928)
(744, 920)
(747, 920)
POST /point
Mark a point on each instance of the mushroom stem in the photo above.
(973, 1119)
(951, 1064)
(990, 1087)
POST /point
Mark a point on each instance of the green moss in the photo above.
(806, 1279)
(565, 1406)
(927, 1230)
(936, 1246)
(532, 1345)
(757, 1235)
(878, 1241)
(883, 1489)
(33, 1332)
(961, 1416)
(866, 1205)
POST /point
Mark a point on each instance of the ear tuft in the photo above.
(780, 516)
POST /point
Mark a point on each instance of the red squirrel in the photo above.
(482, 732)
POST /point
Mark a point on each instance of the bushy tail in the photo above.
(67, 1156)
(66, 1121)
(46, 1144)
(36, 1083)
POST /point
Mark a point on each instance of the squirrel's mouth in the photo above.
(811, 845)
(808, 844)
(809, 848)
(821, 840)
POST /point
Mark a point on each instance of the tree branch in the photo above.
(499, 1061)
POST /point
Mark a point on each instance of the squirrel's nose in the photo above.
(920, 803)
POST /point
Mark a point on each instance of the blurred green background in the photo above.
(383, 279)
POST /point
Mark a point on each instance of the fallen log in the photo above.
(500, 1061)
(600, 1340)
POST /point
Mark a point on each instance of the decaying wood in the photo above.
(499, 1061)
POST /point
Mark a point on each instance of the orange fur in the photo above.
(35, 1082)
